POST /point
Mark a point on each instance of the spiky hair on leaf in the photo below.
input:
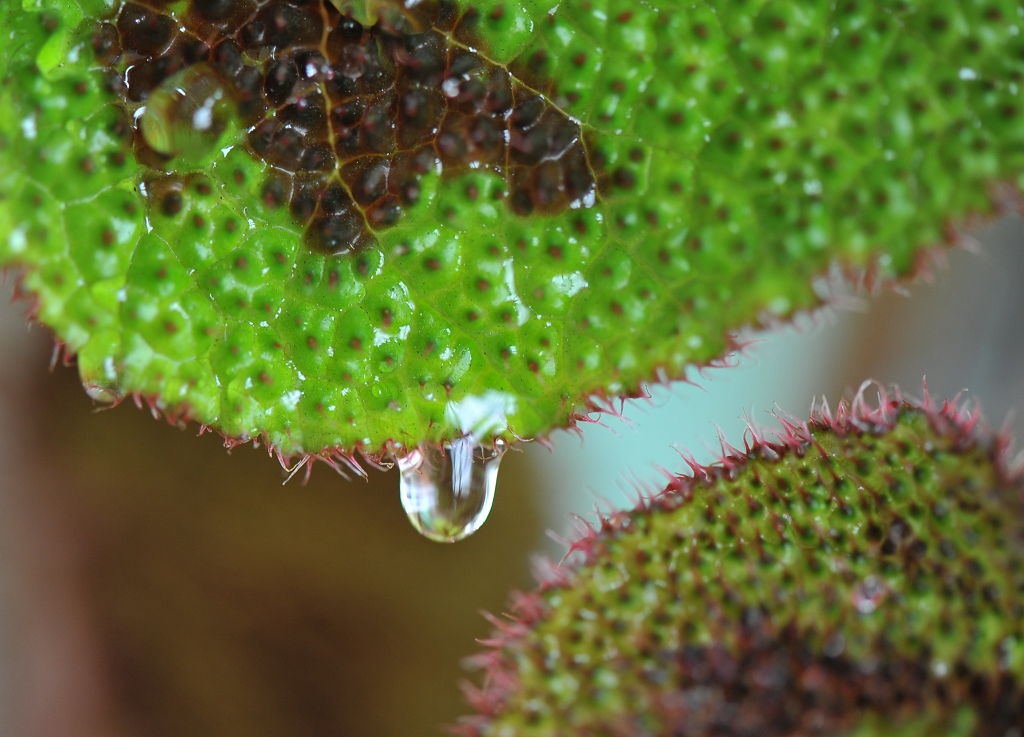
(858, 571)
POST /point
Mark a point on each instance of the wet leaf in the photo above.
(279, 222)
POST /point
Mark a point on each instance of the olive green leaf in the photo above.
(860, 574)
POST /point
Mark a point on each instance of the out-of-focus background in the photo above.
(153, 584)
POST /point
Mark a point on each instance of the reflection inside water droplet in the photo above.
(868, 595)
(104, 394)
(186, 114)
(397, 15)
(447, 491)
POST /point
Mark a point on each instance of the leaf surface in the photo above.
(731, 153)
(861, 574)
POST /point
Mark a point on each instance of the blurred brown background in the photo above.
(157, 585)
(152, 584)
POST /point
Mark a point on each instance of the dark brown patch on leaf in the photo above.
(355, 115)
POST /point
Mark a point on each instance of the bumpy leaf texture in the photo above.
(413, 221)
(861, 574)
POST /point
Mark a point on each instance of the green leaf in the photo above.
(860, 574)
(701, 166)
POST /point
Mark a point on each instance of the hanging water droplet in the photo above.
(447, 491)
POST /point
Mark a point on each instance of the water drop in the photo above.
(186, 115)
(104, 394)
(447, 491)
